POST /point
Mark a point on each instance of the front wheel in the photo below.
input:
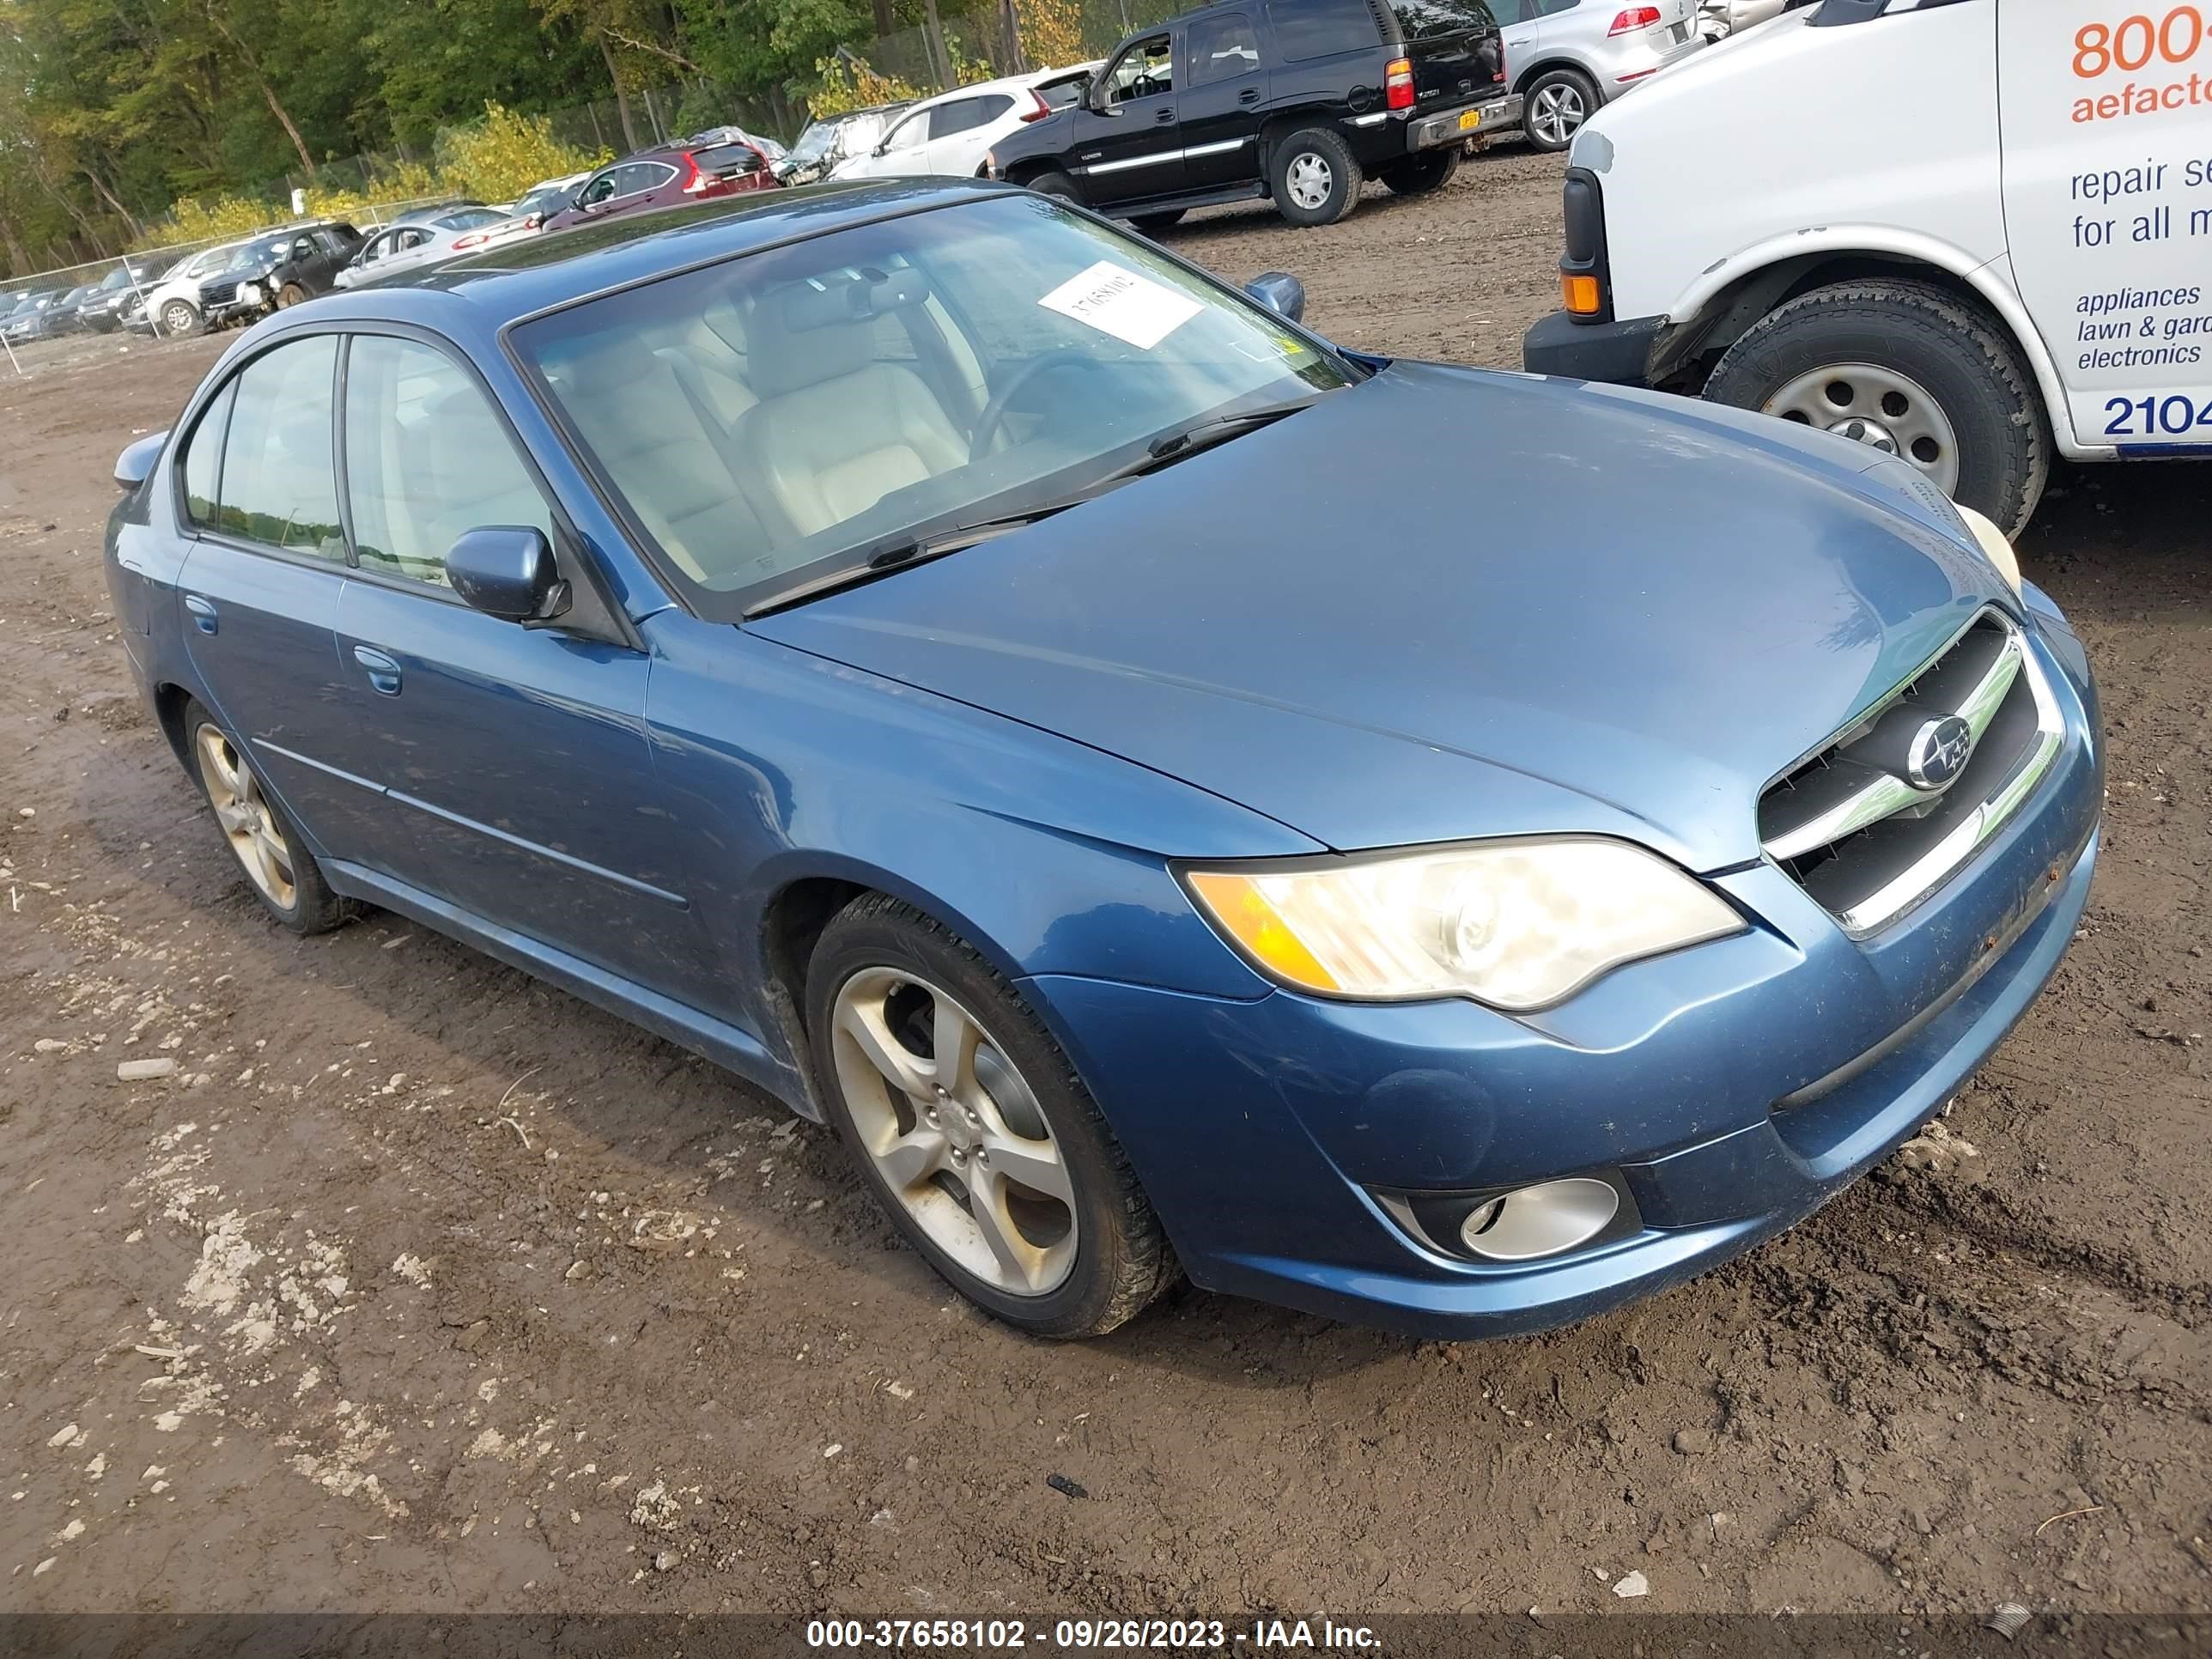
(1911, 370)
(290, 295)
(1417, 175)
(972, 1129)
(179, 317)
(1559, 101)
(1149, 222)
(1315, 176)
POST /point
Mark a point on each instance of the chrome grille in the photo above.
(1862, 830)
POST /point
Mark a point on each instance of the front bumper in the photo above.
(1730, 1090)
(1616, 353)
(1453, 126)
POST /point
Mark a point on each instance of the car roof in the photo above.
(523, 277)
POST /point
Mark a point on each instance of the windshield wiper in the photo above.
(899, 552)
(1186, 441)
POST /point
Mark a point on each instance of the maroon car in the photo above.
(669, 176)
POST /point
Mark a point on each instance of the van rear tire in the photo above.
(1923, 335)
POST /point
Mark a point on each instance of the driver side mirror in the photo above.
(1280, 292)
(508, 571)
(135, 464)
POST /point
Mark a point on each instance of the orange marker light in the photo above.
(1580, 294)
(1244, 912)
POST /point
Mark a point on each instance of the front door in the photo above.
(2107, 150)
(517, 756)
(1127, 145)
(1220, 106)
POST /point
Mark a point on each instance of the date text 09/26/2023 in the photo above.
(1104, 1635)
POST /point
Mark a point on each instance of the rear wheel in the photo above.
(1315, 176)
(1055, 183)
(1913, 371)
(972, 1129)
(1559, 101)
(1149, 222)
(1417, 175)
(283, 874)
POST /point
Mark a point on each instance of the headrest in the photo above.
(824, 327)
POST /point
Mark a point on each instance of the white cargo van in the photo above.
(1970, 232)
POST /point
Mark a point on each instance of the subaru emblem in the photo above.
(1940, 752)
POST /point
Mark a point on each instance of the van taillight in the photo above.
(1635, 18)
(1039, 109)
(1397, 83)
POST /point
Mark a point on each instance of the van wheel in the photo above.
(1056, 184)
(1913, 371)
(1417, 175)
(1315, 176)
(1149, 222)
(1559, 101)
(973, 1130)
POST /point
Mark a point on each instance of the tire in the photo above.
(1149, 222)
(305, 903)
(1315, 177)
(881, 962)
(1417, 175)
(1056, 184)
(180, 317)
(1559, 101)
(290, 295)
(1953, 392)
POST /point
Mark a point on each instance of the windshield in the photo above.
(773, 418)
(814, 143)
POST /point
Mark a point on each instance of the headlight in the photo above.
(1906, 479)
(1993, 544)
(1519, 925)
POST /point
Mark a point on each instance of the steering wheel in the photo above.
(994, 412)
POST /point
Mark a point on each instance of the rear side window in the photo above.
(204, 457)
(727, 161)
(1323, 28)
(1422, 20)
(1222, 47)
(277, 483)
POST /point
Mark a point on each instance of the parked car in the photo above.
(173, 304)
(284, 269)
(1571, 58)
(32, 319)
(62, 316)
(544, 200)
(1297, 102)
(1719, 19)
(424, 213)
(767, 146)
(835, 139)
(1363, 917)
(669, 176)
(2030, 287)
(101, 310)
(418, 244)
(950, 135)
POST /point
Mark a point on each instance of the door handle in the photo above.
(383, 671)
(1165, 115)
(203, 611)
(1249, 95)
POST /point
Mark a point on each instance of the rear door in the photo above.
(1457, 52)
(1131, 147)
(1223, 90)
(960, 132)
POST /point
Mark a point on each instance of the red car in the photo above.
(670, 176)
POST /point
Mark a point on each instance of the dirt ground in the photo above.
(422, 1286)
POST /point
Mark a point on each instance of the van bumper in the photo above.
(1617, 353)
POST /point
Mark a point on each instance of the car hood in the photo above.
(1447, 603)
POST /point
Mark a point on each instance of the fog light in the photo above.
(1541, 1221)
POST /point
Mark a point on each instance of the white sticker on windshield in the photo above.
(1117, 301)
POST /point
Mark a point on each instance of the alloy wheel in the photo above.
(954, 1130)
(1876, 406)
(244, 814)
(180, 318)
(1558, 113)
(1310, 179)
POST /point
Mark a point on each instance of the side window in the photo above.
(204, 457)
(277, 483)
(1308, 29)
(960, 115)
(599, 189)
(1222, 47)
(908, 133)
(1145, 70)
(426, 460)
(647, 175)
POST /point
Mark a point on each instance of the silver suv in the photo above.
(1570, 58)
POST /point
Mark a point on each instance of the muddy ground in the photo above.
(420, 1285)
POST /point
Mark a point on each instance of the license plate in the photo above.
(1680, 31)
(1469, 120)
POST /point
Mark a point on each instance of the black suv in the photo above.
(278, 269)
(1295, 99)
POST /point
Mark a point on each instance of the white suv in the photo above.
(949, 135)
(175, 302)
(1571, 58)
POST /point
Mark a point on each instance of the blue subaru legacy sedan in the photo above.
(1440, 848)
